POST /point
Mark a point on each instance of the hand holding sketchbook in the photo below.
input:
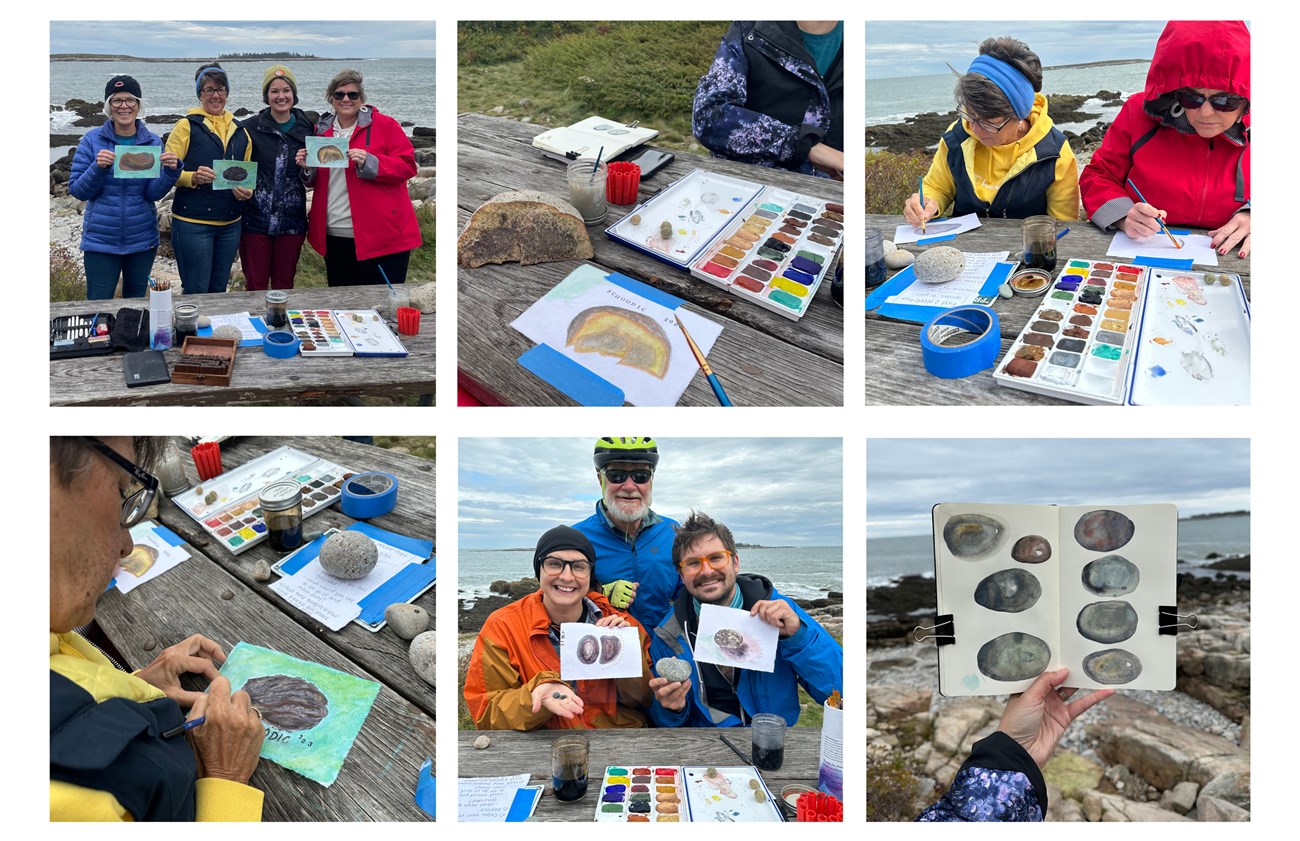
(1027, 588)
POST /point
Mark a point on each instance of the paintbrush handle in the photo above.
(1159, 221)
(723, 400)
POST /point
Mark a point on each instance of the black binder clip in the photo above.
(1169, 620)
(945, 637)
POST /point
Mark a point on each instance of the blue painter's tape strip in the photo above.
(1161, 262)
(952, 363)
(426, 790)
(401, 588)
(258, 324)
(893, 286)
(302, 557)
(522, 806)
(368, 495)
(570, 377)
(997, 277)
(929, 240)
(1186, 233)
(646, 291)
(168, 536)
(414, 545)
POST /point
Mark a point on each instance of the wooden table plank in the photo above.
(895, 373)
(98, 380)
(377, 781)
(519, 753)
(384, 653)
(801, 364)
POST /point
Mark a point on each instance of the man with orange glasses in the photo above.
(704, 553)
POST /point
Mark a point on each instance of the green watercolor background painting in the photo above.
(318, 754)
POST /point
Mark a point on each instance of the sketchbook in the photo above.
(1024, 589)
(585, 139)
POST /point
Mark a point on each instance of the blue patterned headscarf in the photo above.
(1019, 90)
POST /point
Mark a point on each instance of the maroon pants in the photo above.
(269, 259)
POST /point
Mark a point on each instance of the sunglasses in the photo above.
(617, 476)
(985, 125)
(555, 566)
(135, 502)
(716, 561)
(1192, 101)
(339, 96)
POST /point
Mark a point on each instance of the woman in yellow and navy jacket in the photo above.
(206, 222)
(1004, 157)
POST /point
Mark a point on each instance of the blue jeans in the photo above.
(204, 254)
(103, 270)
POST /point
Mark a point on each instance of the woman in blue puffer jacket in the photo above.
(119, 229)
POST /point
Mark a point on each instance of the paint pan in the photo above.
(234, 518)
(641, 794)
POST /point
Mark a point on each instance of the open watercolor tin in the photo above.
(235, 518)
(764, 244)
(641, 794)
(736, 793)
(1111, 333)
(344, 333)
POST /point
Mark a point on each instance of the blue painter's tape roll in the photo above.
(368, 495)
(280, 344)
(971, 357)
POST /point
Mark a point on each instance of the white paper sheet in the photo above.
(333, 601)
(1195, 246)
(955, 293)
(658, 338)
(759, 646)
(936, 228)
(626, 663)
(486, 799)
(241, 320)
(151, 558)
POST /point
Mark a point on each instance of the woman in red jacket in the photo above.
(361, 219)
(1184, 141)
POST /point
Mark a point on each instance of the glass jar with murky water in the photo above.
(282, 507)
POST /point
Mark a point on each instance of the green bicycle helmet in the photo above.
(626, 449)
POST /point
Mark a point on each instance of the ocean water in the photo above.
(805, 572)
(894, 100)
(891, 557)
(402, 88)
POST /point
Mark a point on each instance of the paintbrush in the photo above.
(920, 188)
(189, 725)
(384, 275)
(723, 400)
(596, 165)
(1159, 221)
(745, 759)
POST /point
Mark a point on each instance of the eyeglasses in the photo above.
(617, 476)
(137, 499)
(211, 91)
(555, 566)
(1192, 101)
(123, 103)
(339, 96)
(984, 125)
(716, 561)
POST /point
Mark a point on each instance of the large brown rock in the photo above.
(1165, 754)
(525, 227)
(1112, 808)
(892, 701)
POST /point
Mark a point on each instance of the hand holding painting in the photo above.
(558, 698)
(1038, 717)
(229, 744)
(779, 614)
(614, 620)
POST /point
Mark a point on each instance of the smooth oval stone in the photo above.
(974, 535)
(1008, 591)
(1113, 621)
(1031, 549)
(1111, 666)
(1113, 575)
(673, 669)
(1013, 656)
(1103, 530)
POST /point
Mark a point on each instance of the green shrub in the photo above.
(891, 789)
(484, 43)
(891, 178)
(67, 282)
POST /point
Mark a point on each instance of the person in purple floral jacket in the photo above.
(774, 96)
(1002, 779)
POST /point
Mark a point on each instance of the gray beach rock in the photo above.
(424, 657)
(940, 264)
(407, 620)
(262, 571)
(673, 669)
(482, 742)
(422, 297)
(349, 555)
(898, 258)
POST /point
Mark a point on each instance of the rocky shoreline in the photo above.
(1140, 756)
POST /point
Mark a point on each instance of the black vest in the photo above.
(117, 746)
(1021, 196)
(204, 202)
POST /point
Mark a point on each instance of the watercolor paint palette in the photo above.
(368, 334)
(735, 793)
(641, 794)
(1080, 343)
(777, 253)
(227, 506)
(696, 208)
(319, 332)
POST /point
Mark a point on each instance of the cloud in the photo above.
(181, 39)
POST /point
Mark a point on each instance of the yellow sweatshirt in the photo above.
(223, 125)
(79, 661)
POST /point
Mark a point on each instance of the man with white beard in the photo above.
(634, 545)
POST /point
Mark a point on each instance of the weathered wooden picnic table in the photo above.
(895, 373)
(214, 594)
(761, 358)
(258, 378)
(518, 753)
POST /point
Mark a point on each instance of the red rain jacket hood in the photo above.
(1212, 54)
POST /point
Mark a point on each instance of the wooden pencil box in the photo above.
(205, 361)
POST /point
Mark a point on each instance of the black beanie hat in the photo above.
(122, 84)
(559, 539)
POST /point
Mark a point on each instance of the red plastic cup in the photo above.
(818, 808)
(622, 182)
(408, 321)
(207, 460)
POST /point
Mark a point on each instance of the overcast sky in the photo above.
(771, 491)
(907, 477)
(920, 48)
(187, 39)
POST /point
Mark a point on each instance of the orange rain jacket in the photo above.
(513, 654)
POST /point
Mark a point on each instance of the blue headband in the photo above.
(1018, 90)
(198, 80)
